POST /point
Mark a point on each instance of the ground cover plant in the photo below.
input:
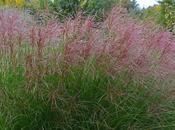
(77, 76)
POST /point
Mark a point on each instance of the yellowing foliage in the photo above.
(20, 2)
(15, 2)
(9, 2)
(157, 8)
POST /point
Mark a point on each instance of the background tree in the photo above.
(130, 5)
(167, 13)
(152, 12)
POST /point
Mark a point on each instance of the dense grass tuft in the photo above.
(77, 76)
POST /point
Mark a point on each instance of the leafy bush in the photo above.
(168, 13)
(153, 13)
(98, 8)
(67, 8)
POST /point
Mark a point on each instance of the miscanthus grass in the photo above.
(75, 76)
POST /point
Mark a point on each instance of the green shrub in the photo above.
(98, 8)
(168, 13)
(67, 8)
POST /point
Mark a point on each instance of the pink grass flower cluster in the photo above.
(122, 43)
(12, 27)
(78, 38)
(41, 35)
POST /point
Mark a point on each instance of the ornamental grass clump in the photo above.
(41, 40)
(12, 34)
(122, 44)
(77, 75)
